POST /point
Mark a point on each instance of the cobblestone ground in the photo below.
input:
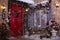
(35, 39)
(23, 38)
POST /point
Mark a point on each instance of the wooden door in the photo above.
(16, 20)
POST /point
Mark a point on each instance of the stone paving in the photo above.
(36, 38)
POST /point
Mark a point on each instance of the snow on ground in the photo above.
(37, 37)
(34, 38)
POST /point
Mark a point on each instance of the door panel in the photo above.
(16, 20)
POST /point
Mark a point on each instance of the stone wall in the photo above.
(56, 11)
(38, 1)
(3, 2)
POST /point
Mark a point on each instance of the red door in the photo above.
(16, 20)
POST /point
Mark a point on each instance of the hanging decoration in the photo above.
(3, 14)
